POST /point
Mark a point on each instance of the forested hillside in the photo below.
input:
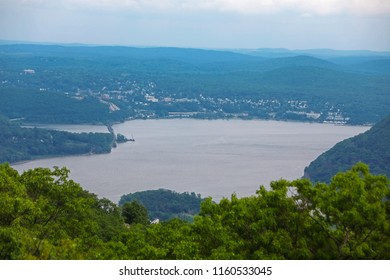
(65, 84)
(18, 143)
(165, 204)
(371, 147)
(35, 106)
(44, 215)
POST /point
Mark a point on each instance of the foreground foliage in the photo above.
(44, 215)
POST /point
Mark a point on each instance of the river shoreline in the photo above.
(214, 158)
(99, 127)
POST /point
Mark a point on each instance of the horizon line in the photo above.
(281, 49)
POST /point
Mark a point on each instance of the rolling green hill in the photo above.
(371, 147)
(18, 143)
(165, 204)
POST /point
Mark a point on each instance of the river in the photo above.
(214, 158)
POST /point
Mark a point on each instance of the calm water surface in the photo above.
(214, 158)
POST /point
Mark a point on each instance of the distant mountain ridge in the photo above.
(371, 147)
(118, 83)
(320, 53)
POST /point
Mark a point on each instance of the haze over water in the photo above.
(214, 158)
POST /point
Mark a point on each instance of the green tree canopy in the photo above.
(135, 213)
(45, 215)
(347, 219)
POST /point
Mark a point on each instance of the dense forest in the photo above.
(371, 147)
(18, 143)
(44, 215)
(165, 204)
(84, 84)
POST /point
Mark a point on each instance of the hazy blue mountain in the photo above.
(379, 66)
(147, 53)
(320, 53)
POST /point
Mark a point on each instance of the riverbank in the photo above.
(214, 158)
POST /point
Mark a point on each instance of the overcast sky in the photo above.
(293, 24)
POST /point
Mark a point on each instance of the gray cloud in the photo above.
(340, 24)
(307, 7)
